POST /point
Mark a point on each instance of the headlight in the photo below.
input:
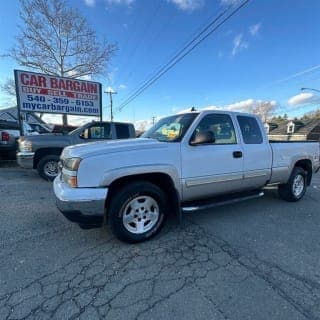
(25, 146)
(69, 171)
(71, 164)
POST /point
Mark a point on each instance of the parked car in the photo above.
(185, 162)
(9, 133)
(42, 152)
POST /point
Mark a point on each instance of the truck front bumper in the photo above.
(25, 159)
(85, 206)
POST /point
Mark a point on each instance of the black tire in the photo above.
(43, 165)
(289, 191)
(122, 204)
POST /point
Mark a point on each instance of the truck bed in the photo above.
(289, 152)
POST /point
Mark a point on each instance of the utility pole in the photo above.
(153, 120)
(110, 92)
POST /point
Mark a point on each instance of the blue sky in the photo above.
(268, 51)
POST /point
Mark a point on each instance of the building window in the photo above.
(290, 127)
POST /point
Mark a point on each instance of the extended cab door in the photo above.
(257, 154)
(212, 168)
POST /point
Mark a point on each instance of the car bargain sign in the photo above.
(51, 94)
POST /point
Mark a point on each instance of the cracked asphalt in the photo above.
(258, 259)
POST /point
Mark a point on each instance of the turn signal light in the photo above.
(73, 182)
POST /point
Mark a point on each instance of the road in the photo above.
(258, 259)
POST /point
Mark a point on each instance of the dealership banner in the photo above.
(43, 93)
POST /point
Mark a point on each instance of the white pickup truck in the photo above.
(185, 162)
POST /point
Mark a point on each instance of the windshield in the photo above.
(171, 129)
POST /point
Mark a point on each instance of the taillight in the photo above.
(4, 136)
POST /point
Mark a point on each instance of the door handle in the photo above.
(237, 154)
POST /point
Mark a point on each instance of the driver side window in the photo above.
(220, 125)
(97, 131)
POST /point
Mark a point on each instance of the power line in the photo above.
(176, 55)
(177, 59)
(185, 45)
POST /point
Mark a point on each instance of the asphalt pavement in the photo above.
(258, 259)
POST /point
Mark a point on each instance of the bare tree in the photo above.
(264, 109)
(8, 87)
(55, 39)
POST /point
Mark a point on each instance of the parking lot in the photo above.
(258, 259)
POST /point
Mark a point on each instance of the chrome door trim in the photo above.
(213, 179)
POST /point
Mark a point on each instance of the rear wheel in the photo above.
(296, 187)
(48, 167)
(137, 212)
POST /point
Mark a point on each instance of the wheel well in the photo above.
(45, 152)
(162, 180)
(306, 165)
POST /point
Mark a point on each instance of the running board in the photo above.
(220, 201)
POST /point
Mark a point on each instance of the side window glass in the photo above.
(122, 131)
(220, 125)
(250, 130)
(97, 132)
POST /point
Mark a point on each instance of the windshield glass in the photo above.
(171, 129)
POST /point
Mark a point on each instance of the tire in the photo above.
(48, 167)
(137, 212)
(296, 187)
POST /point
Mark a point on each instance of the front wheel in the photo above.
(296, 187)
(137, 212)
(48, 167)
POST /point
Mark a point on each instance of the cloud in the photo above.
(303, 98)
(122, 86)
(254, 29)
(183, 110)
(187, 5)
(73, 73)
(120, 2)
(109, 89)
(243, 106)
(238, 44)
(90, 3)
(248, 105)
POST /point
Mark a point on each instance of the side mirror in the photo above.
(203, 137)
(82, 135)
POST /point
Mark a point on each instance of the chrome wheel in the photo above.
(140, 214)
(298, 185)
(51, 169)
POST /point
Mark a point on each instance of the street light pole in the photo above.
(111, 92)
(311, 89)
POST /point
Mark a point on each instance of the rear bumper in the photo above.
(85, 206)
(25, 159)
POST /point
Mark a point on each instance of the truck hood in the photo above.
(103, 147)
(47, 137)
